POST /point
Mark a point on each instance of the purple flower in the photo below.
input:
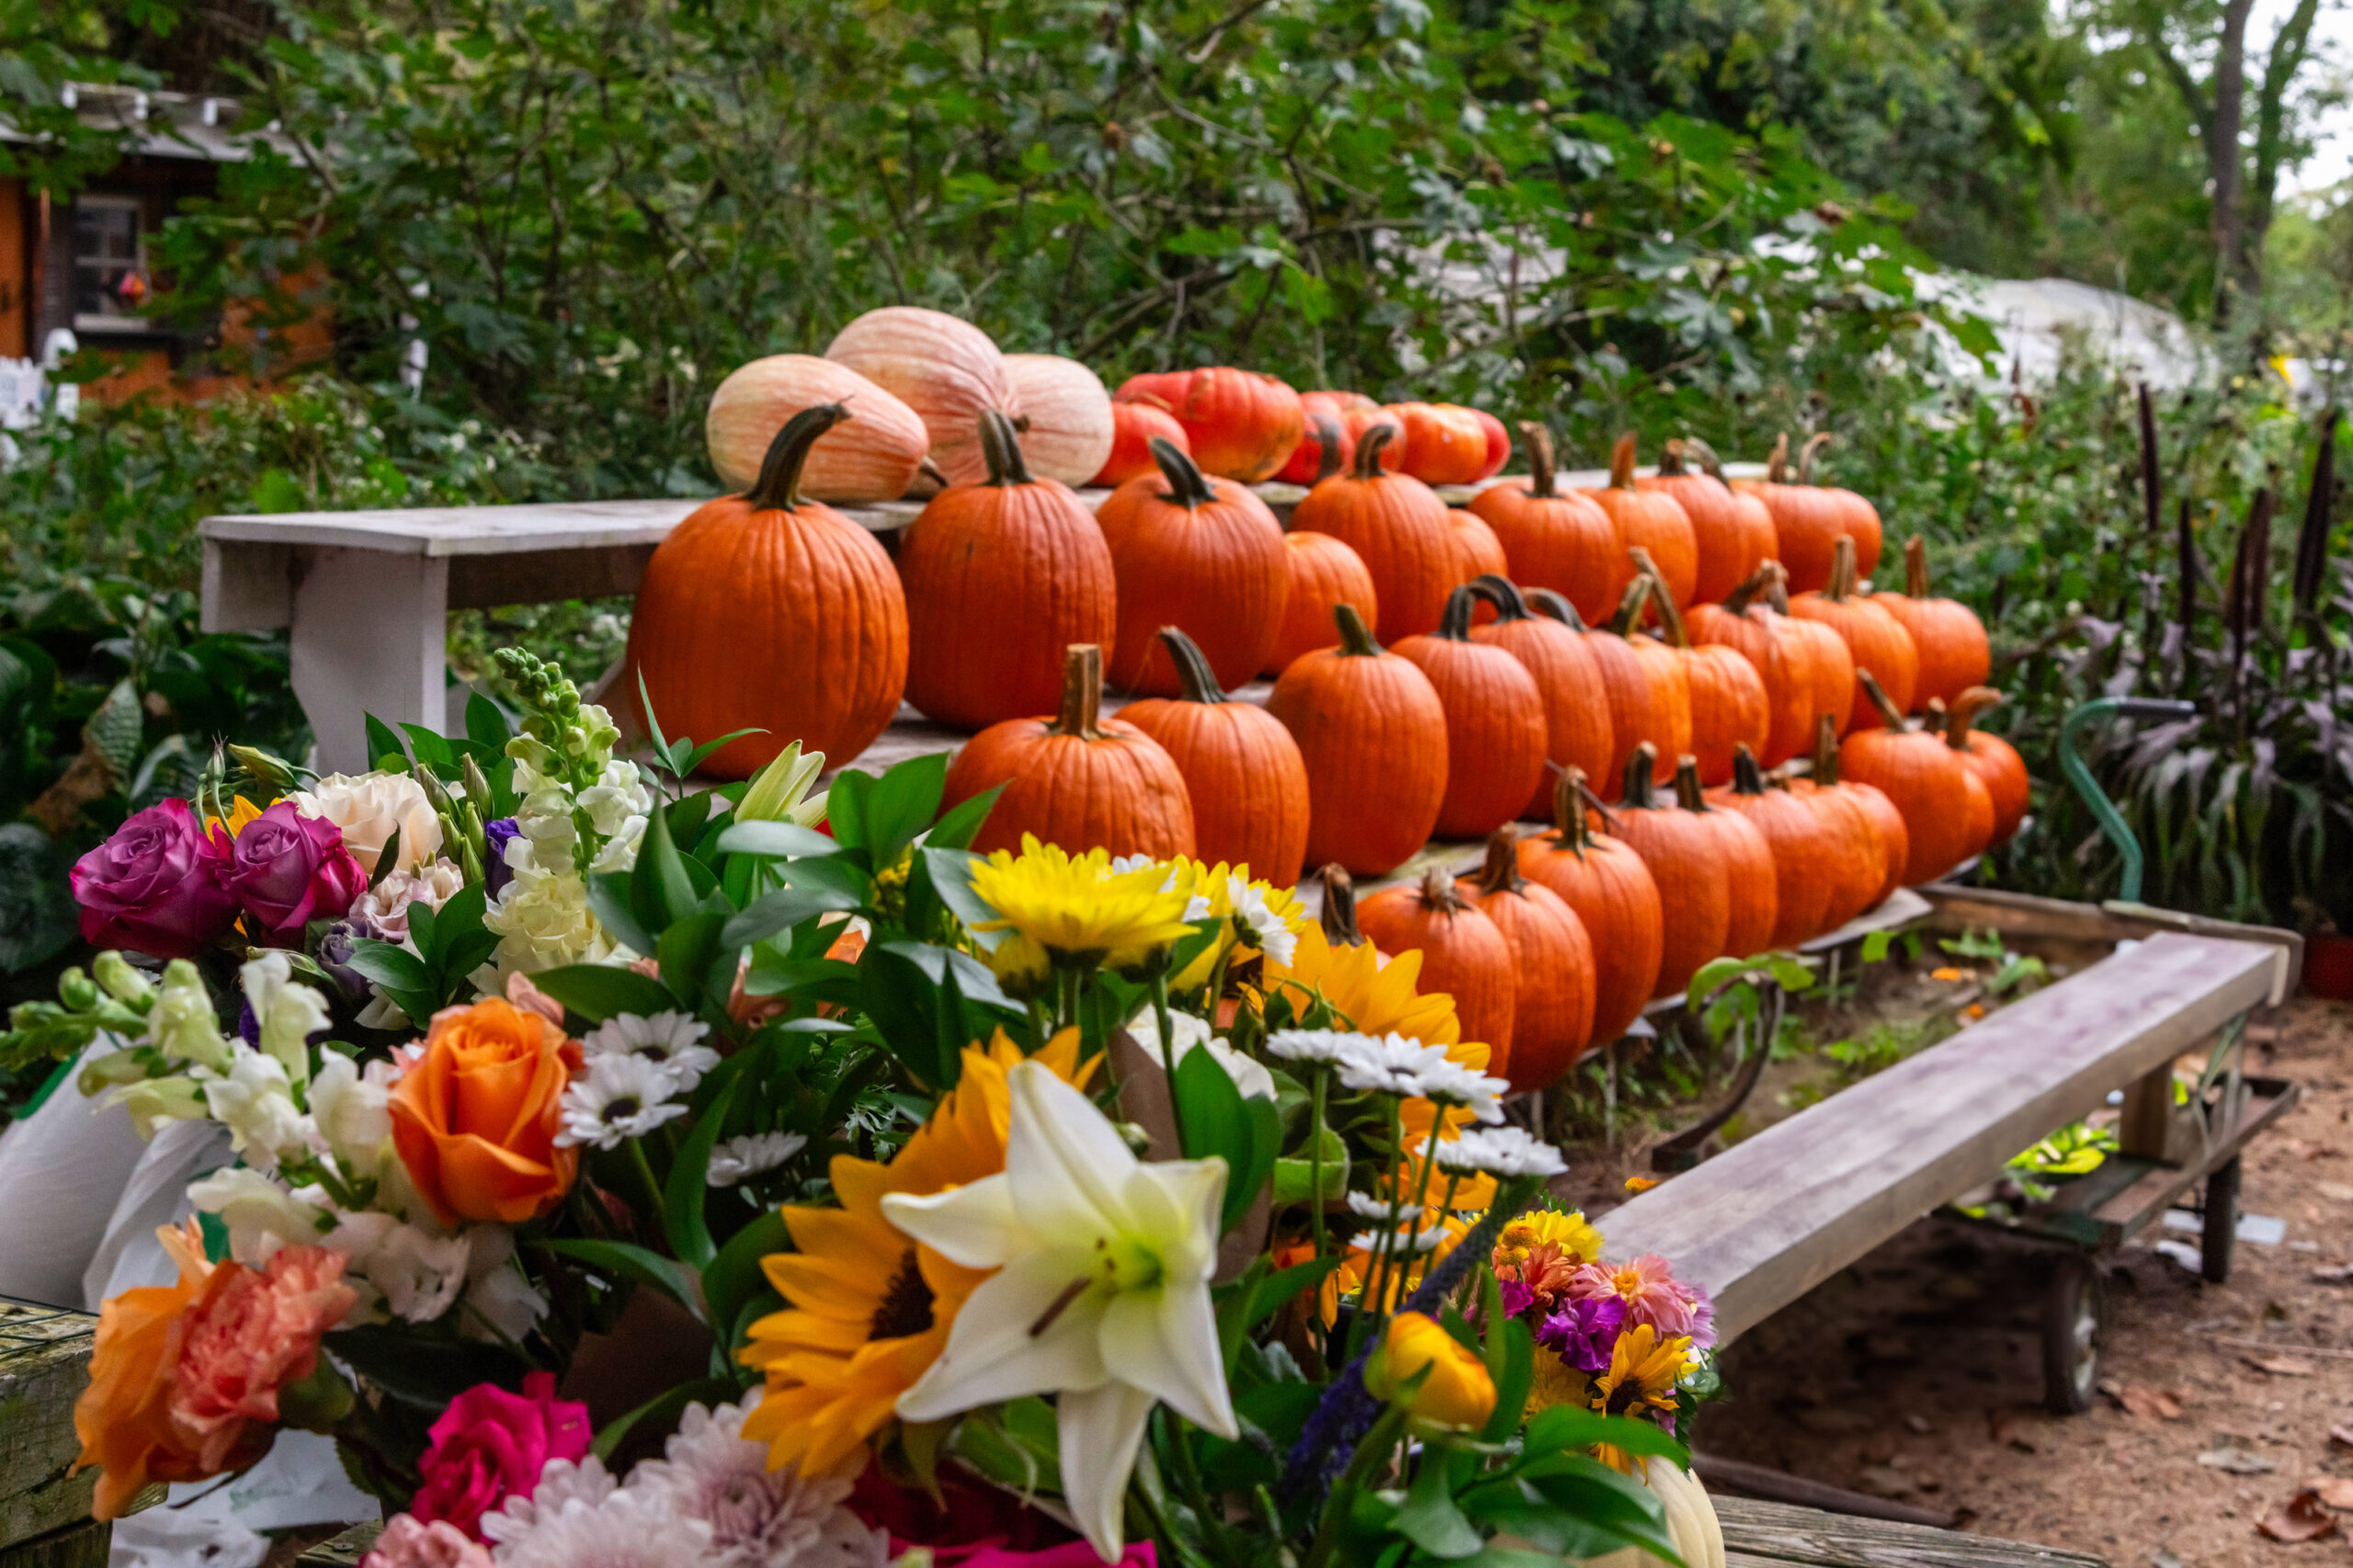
(155, 886)
(495, 837)
(336, 948)
(288, 870)
(1584, 1332)
(1517, 1298)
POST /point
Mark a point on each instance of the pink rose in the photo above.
(405, 1543)
(288, 870)
(491, 1445)
(155, 886)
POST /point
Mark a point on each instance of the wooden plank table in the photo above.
(44, 1513)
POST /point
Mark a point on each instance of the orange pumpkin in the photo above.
(1241, 769)
(1613, 894)
(1134, 426)
(769, 612)
(1001, 578)
(1858, 518)
(1552, 966)
(1875, 638)
(1981, 799)
(1685, 857)
(1752, 906)
(1819, 654)
(1576, 708)
(1754, 517)
(1498, 444)
(1398, 526)
(1654, 521)
(1948, 636)
(1463, 955)
(1076, 779)
(1745, 625)
(1327, 446)
(1476, 553)
(1807, 856)
(1320, 574)
(1807, 522)
(1371, 732)
(1202, 555)
(1495, 724)
(1923, 777)
(1555, 539)
(1238, 423)
(1992, 759)
(1859, 817)
(1729, 707)
(1730, 545)
(1444, 444)
(1648, 691)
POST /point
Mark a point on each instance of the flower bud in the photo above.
(77, 991)
(275, 772)
(1455, 1389)
(122, 981)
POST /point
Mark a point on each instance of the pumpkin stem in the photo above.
(1670, 619)
(1842, 570)
(1504, 594)
(1670, 459)
(1569, 823)
(1915, 567)
(1825, 751)
(1752, 588)
(1640, 776)
(1356, 637)
(1965, 709)
(1501, 873)
(1878, 697)
(1814, 444)
(1687, 793)
(1001, 446)
(1541, 467)
(1705, 456)
(1339, 917)
(1778, 595)
(1187, 486)
(1196, 682)
(1932, 718)
(1629, 607)
(1621, 463)
(1369, 445)
(1748, 778)
(1777, 467)
(1454, 625)
(779, 487)
(1546, 601)
(1327, 443)
(1438, 891)
(1082, 709)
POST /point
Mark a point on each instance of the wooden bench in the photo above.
(44, 1513)
(366, 595)
(1768, 1220)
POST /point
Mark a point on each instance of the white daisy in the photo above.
(671, 1040)
(1262, 927)
(735, 1158)
(1370, 1206)
(1452, 1084)
(1311, 1045)
(624, 1530)
(1501, 1152)
(759, 1518)
(1391, 1064)
(1250, 1077)
(618, 1097)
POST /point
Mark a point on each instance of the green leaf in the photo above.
(694, 758)
(660, 890)
(690, 953)
(900, 805)
(623, 1261)
(609, 899)
(387, 1357)
(781, 910)
(652, 724)
(384, 748)
(780, 839)
(734, 1276)
(487, 726)
(846, 808)
(1218, 1121)
(115, 730)
(38, 919)
(597, 991)
(1428, 1517)
(1875, 945)
(906, 992)
(957, 827)
(389, 965)
(683, 1220)
(951, 872)
(663, 1410)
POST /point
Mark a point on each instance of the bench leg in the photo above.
(371, 636)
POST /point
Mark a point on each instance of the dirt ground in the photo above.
(1915, 1375)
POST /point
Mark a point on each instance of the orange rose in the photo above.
(476, 1116)
(124, 1417)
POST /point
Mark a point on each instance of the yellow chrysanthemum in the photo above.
(1570, 1233)
(870, 1310)
(1078, 909)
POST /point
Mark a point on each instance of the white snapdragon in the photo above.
(289, 1013)
(182, 1024)
(618, 794)
(254, 1100)
(351, 1105)
(261, 1215)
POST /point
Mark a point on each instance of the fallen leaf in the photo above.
(2164, 1558)
(2163, 1403)
(1886, 1481)
(1640, 1183)
(1948, 975)
(2302, 1519)
(2334, 1273)
(2337, 1491)
(2281, 1366)
(2236, 1461)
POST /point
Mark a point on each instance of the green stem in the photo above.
(1316, 1093)
(1169, 1058)
(1371, 1453)
(645, 1173)
(1038, 1034)
(1377, 1277)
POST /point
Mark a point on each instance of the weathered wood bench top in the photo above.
(1772, 1217)
(44, 1363)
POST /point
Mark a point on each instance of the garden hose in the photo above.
(2112, 821)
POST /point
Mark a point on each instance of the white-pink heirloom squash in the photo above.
(944, 368)
(873, 455)
(1065, 417)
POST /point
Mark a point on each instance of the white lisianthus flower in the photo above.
(261, 1215)
(288, 1014)
(350, 1104)
(256, 1103)
(500, 1304)
(417, 1273)
(755, 1153)
(383, 909)
(367, 807)
(1249, 1075)
(1101, 1295)
(671, 1040)
(618, 1097)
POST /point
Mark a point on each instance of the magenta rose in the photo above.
(491, 1445)
(288, 870)
(156, 886)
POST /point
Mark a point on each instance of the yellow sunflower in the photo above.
(1375, 996)
(1644, 1370)
(870, 1310)
(1078, 909)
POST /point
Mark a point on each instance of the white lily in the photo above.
(1102, 1298)
(778, 792)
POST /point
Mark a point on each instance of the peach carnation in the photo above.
(251, 1333)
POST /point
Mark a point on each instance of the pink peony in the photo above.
(491, 1445)
(407, 1543)
(1653, 1297)
(251, 1333)
(288, 870)
(155, 886)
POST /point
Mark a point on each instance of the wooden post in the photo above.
(370, 636)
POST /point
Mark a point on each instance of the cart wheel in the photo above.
(2071, 1336)
(2221, 1222)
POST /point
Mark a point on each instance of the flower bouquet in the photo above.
(625, 1174)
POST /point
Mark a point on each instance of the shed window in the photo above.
(109, 271)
